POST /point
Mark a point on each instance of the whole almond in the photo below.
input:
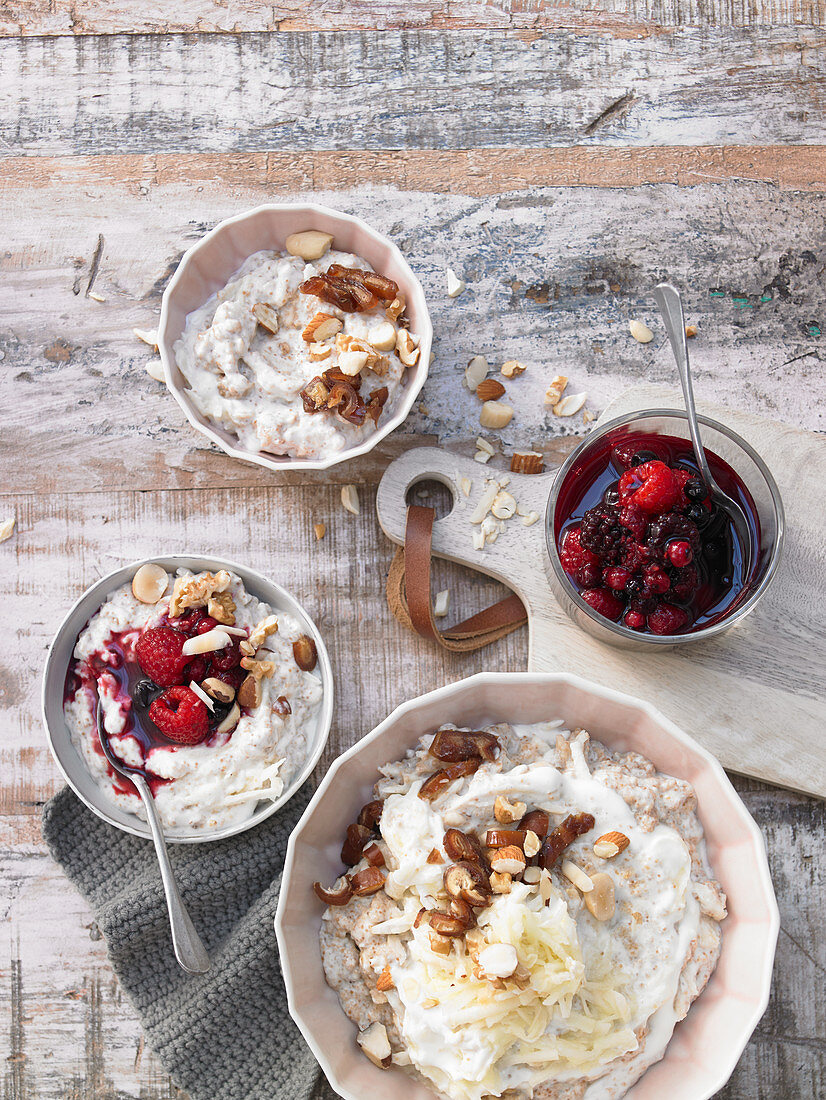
(610, 844)
(249, 693)
(321, 327)
(528, 463)
(489, 389)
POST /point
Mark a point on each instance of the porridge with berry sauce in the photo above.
(202, 688)
(525, 914)
(644, 543)
(301, 353)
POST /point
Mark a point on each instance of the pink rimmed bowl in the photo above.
(207, 267)
(706, 1045)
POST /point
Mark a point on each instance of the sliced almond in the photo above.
(483, 445)
(532, 875)
(641, 333)
(482, 457)
(577, 876)
(600, 901)
(455, 285)
(570, 404)
(485, 501)
(494, 414)
(266, 316)
(406, 348)
(546, 886)
(323, 326)
(610, 844)
(587, 416)
(320, 530)
(154, 368)
(310, 244)
(196, 689)
(149, 583)
(489, 389)
(507, 812)
(512, 368)
(532, 844)
(465, 484)
(476, 370)
(148, 336)
(350, 499)
(382, 337)
(530, 519)
(209, 642)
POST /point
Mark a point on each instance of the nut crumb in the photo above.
(641, 333)
(554, 392)
(149, 336)
(440, 604)
(512, 368)
(320, 530)
(455, 285)
(196, 591)
(350, 499)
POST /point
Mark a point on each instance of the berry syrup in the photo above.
(136, 693)
(723, 563)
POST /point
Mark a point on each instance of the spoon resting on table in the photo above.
(189, 950)
(670, 302)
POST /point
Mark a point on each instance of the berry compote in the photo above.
(130, 686)
(642, 541)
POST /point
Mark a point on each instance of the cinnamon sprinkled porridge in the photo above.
(527, 914)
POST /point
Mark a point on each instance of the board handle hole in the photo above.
(430, 492)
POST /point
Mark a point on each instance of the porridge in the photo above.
(301, 353)
(202, 688)
(526, 915)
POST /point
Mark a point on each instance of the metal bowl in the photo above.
(751, 470)
(209, 265)
(57, 663)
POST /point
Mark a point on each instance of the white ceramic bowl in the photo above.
(208, 266)
(57, 663)
(706, 1045)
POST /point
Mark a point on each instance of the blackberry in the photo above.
(695, 490)
(611, 495)
(144, 692)
(601, 532)
(698, 514)
(641, 457)
(672, 526)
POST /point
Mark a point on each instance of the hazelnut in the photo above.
(495, 415)
(149, 583)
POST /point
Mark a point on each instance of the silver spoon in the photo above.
(671, 307)
(189, 950)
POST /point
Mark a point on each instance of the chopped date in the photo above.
(370, 814)
(504, 838)
(367, 881)
(441, 780)
(334, 391)
(350, 288)
(559, 838)
(456, 745)
(462, 847)
(537, 821)
(334, 897)
(357, 837)
(376, 402)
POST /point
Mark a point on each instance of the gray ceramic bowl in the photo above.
(54, 676)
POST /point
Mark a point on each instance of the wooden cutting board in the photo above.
(755, 696)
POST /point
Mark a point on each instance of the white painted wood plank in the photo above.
(410, 89)
(553, 277)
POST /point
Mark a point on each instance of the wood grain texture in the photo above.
(554, 275)
(414, 89)
(620, 17)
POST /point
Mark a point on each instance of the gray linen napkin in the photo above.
(224, 1035)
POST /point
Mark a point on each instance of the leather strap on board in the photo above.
(408, 594)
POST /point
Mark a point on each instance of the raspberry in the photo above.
(228, 657)
(667, 619)
(604, 601)
(682, 478)
(601, 532)
(233, 676)
(679, 553)
(180, 715)
(634, 520)
(188, 622)
(616, 577)
(574, 557)
(197, 669)
(159, 654)
(651, 487)
(206, 623)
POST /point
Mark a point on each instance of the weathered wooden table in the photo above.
(561, 159)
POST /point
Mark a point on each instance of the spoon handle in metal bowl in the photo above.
(671, 307)
(189, 950)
